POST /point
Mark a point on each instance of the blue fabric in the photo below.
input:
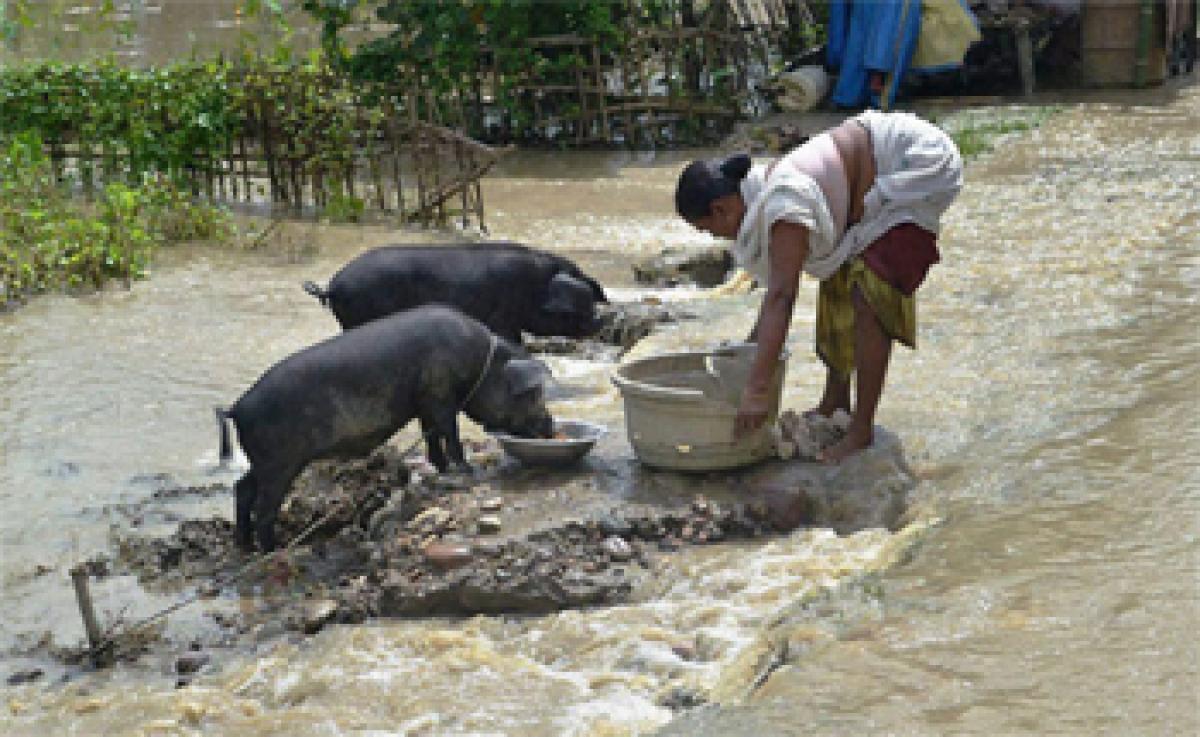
(895, 50)
(851, 88)
(836, 33)
(871, 36)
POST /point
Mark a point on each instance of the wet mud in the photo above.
(386, 536)
(382, 537)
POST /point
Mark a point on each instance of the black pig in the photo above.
(508, 287)
(345, 396)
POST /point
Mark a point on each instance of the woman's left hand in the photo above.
(752, 412)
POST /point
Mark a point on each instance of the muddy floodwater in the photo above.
(1040, 577)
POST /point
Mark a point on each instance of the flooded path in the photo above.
(1048, 583)
(1061, 595)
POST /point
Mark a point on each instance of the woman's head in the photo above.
(709, 194)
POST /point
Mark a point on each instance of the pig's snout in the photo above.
(538, 427)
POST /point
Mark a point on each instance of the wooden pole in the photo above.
(372, 137)
(1025, 56)
(79, 578)
(418, 155)
(585, 117)
(394, 140)
(598, 73)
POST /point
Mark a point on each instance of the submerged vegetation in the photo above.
(979, 132)
(102, 163)
(50, 239)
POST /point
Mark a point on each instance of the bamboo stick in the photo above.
(83, 597)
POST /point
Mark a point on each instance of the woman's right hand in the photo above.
(752, 412)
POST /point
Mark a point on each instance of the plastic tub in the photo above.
(680, 409)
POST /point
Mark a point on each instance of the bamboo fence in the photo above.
(404, 149)
(387, 159)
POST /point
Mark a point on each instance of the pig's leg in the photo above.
(273, 486)
(446, 421)
(433, 445)
(246, 489)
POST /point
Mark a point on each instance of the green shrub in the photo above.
(169, 120)
(49, 240)
(343, 208)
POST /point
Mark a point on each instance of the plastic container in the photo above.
(803, 89)
(680, 409)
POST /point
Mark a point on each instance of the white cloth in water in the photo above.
(918, 173)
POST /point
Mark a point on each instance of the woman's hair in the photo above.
(704, 181)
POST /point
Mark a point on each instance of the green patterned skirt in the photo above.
(835, 313)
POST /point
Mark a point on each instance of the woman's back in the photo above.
(820, 159)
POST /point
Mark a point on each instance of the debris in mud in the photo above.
(191, 662)
(622, 325)
(120, 645)
(586, 349)
(386, 537)
(489, 524)
(678, 698)
(703, 266)
(804, 436)
(28, 675)
(176, 492)
(617, 549)
(350, 492)
(317, 614)
(431, 546)
(445, 556)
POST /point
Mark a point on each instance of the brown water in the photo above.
(1049, 583)
(155, 31)
(1062, 594)
(107, 397)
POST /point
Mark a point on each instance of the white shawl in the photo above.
(918, 173)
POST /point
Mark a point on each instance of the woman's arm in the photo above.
(788, 250)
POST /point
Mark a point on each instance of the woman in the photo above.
(858, 208)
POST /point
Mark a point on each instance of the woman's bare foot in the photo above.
(855, 440)
(836, 396)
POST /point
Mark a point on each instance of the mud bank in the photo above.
(387, 537)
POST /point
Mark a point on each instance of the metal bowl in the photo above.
(580, 438)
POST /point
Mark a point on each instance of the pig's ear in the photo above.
(525, 374)
(565, 294)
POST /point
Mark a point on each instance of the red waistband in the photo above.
(902, 256)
